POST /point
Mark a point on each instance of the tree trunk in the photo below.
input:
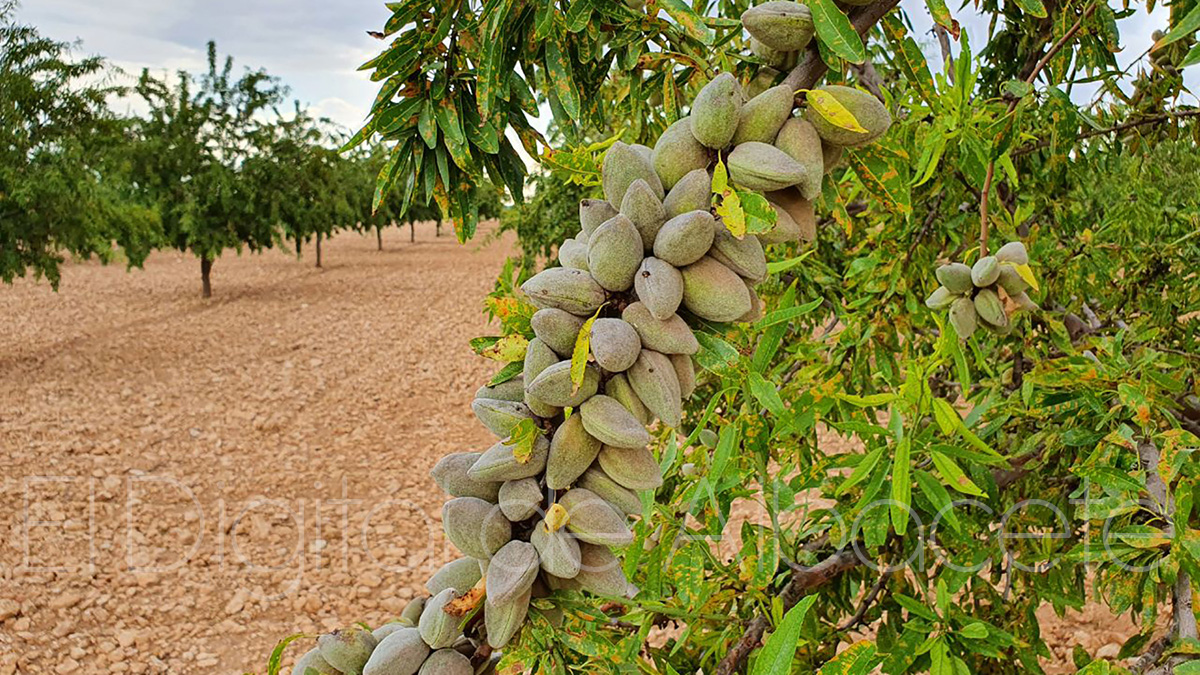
(205, 277)
(299, 246)
(318, 249)
(412, 232)
(378, 237)
(439, 228)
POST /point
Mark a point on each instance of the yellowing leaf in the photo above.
(832, 110)
(1026, 273)
(728, 202)
(556, 517)
(507, 349)
(579, 357)
(522, 438)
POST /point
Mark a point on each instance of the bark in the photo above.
(412, 232)
(206, 277)
(378, 237)
(318, 249)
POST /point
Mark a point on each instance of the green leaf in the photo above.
(760, 216)
(579, 356)
(1192, 58)
(1186, 26)
(862, 470)
(559, 69)
(779, 650)
(835, 31)
(427, 125)
(937, 495)
(857, 659)
(508, 372)
(275, 661)
(1033, 7)
(974, 631)
(784, 265)
(786, 314)
(953, 476)
(767, 395)
(456, 141)
(691, 22)
(901, 486)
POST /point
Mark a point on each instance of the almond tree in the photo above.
(195, 140)
(64, 187)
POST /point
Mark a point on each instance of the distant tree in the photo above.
(196, 140)
(302, 183)
(64, 187)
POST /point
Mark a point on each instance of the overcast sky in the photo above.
(314, 46)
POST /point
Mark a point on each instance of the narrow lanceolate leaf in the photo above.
(456, 140)
(1192, 58)
(953, 475)
(767, 395)
(909, 59)
(275, 662)
(579, 357)
(832, 110)
(559, 70)
(779, 650)
(835, 31)
(491, 67)
(862, 471)
(1026, 273)
(901, 486)
(688, 19)
(941, 14)
(727, 201)
(857, 659)
(883, 168)
(1033, 7)
(427, 125)
(506, 373)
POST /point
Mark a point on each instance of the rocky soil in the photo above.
(187, 481)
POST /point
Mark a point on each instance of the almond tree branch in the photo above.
(1037, 69)
(811, 68)
(1152, 119)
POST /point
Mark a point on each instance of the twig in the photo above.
(803, 580)
(943, 37)
(1153, 119)
(1012, 105)
(983, 205)
(811, 68)
(867, 601)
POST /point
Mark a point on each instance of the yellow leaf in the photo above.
(1026, 273)
(579, 357)
(832, 110)
(556, 517)
(508, 348)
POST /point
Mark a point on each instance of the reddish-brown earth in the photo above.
(185, 481)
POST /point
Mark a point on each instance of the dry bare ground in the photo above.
(186, 481)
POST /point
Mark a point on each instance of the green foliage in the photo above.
(547, 218)
(198, 140)
(64, 161)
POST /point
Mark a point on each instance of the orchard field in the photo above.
(206, 440)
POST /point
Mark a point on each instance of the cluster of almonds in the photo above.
(532, 515)
(977, 295)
